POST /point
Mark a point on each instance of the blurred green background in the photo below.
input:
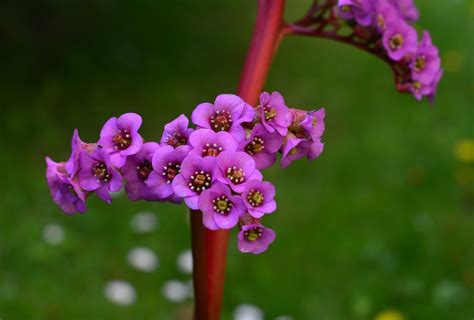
(384, 220)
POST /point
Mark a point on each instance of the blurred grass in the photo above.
(380, 221)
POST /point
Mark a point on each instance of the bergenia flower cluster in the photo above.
(383, 28)
(215, 168)
(416, 61)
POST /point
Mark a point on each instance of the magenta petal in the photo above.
(226, 221)
(117, 159)
(202, 115)
(104, 194)
(180, 187)
(264, 160)
(116, 182)
(208, 221)
(110, 128)
(159, 185)
(228, 102)
(137, 143)
(268, 207)
(130, 121)
(192, 202)
(238, 132)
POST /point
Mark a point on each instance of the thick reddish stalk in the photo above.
(210, 247)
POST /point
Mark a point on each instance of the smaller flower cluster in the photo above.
(387, 24)
(215, 167)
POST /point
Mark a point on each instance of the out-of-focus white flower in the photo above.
(120, 292)
(176, 291)
(185, 262)
(144, 222)
(143, 259)
(53, 234)
(248, 312)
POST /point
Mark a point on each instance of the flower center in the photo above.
(144, 169)
(176, 139)
(236, 175)
(256, 146)
(100, 172)
(122, 140)
(346, 9)
(253, 234)
(298, 130)
(255, 198)
(221, 120)
(420, 63)
(270, 113)
(200, 181)
(170, 171)
(211, 150)
(416, 86)
(381, 21)
(396, 41)
(222, 205)
(72, 191)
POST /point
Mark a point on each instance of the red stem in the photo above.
(210, 247)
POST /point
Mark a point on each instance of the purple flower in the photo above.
(420, 90)
(166, 166)
(360, 10)
(77, 146)
(236, 169)
(65, 192)
(274, 114)
(197, 175)
(304, 136)
(426, 63)
(220, 209)
(97, 174)
(120, 138)
(205, 142)
(399, 40)
(137, 170)
(295, 149)
(258, 197)
(226, 114)
(385, 14)
(262, 146)
(254, 238)
(176, 132)
(407, 9)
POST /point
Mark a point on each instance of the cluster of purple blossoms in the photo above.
(386, 24)
(214, 168)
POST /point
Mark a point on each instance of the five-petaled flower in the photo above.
(220, 208)
(400, 40)
(258, 197)
(236, 169)
(176, 132)
(97, 174)
(226, 114)
(254, 238)
(166, 166)
(208, 143)
(137, 171)
(120, 138)
(65, 192)
(262, 146)
(196, 176)
(273, 112)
